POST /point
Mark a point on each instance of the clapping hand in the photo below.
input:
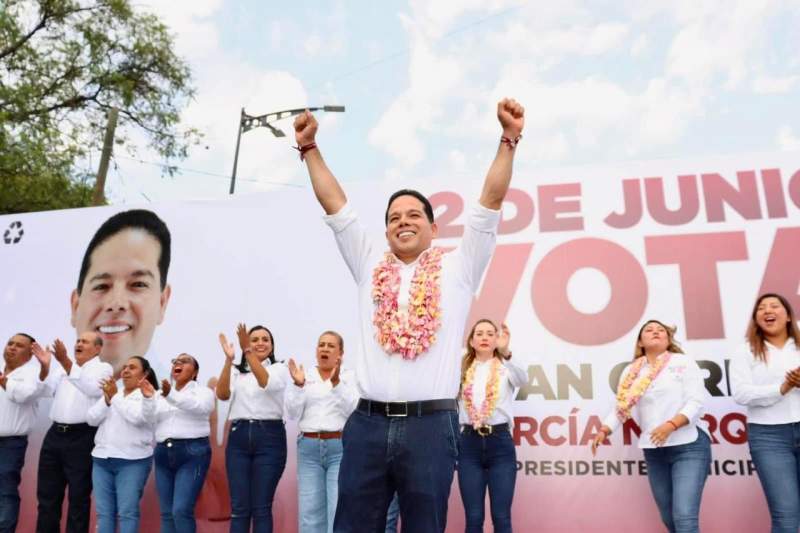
(109, 389)
(226, 347)
(297, 372)
(44, 356)
(337, 370)
(146, 387)
(244, 337)
(60, 351)
(166, 387)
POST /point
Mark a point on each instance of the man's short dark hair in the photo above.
(98, 340)
(132, 219)
(416, 194)
(29, 337)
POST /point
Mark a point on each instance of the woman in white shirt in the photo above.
(765, 376)
(123, 450)
(321, 399)
(663, 391)
(487, 457)
(183, 452)
(255, 456)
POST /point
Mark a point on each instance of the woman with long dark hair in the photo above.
(765, 376)
(255, 456)
(183, 452)
(123, 451)
(662, 389)
(487, 457)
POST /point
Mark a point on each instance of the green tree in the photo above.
(63, 65)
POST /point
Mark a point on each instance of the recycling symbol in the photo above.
(14, 233)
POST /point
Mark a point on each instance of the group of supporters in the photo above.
(387, 438)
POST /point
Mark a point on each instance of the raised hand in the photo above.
(109, 389)
(337, 370)
(305, 128)
(511, 116)
(297, 372)
(60, 350)
(166, 386)
(244, 337)
(44, 357)
(503, 339)
(146, 387)
(227, 347)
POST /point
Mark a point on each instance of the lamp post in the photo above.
(249, 122)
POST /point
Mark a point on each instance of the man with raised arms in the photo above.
(413, 303)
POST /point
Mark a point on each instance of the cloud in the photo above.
(787, 139)
(774, 85)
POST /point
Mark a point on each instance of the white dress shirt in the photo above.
(511, 377)
(250, 401)
(678, 389)
(77, 391)
(126, 427)
(433, 374)
(184, 413)
(757, 384)
(319, 405)
(19, 399)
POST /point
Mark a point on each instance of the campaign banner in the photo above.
(584, 256)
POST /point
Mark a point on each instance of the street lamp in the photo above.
(249, 122)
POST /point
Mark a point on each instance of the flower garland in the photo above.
(478, 417)
(629, 392)
(409, 334)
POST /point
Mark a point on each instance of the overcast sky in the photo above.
(602, 82)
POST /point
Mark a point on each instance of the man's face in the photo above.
(408, 230)
(17, 351)
(121, 298)
(85, 347)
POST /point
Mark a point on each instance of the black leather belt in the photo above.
(486, 430)
(424, 407)
(66, 428)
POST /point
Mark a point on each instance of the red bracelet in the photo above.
(511, 143)
(673, 424)
(304, 149)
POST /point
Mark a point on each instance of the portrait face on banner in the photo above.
(122, 296)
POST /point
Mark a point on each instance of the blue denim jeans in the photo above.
(118, 486)
(392, 515)
(12, 459)
(181, 467)
(317, 483)
(487, 462)
(776, 455)
(677, 475)
(414, 456)
(254, 460)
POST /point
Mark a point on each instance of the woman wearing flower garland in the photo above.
(487, 457)
(255, 456)
(765, 376)
(663, 391)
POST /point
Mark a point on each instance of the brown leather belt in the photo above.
(323, 434)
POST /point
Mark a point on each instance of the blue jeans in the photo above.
(677, 475)
(254, 460)
(414, 456)
(118, 486)
(392, 515)
(487, 462)
(181, 467)
(12, 459)
(317, 482)
(776, 455)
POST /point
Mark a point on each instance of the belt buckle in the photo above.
(389, 413)
(484, 430)
(62, 428)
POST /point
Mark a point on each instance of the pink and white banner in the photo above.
(584, 256)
